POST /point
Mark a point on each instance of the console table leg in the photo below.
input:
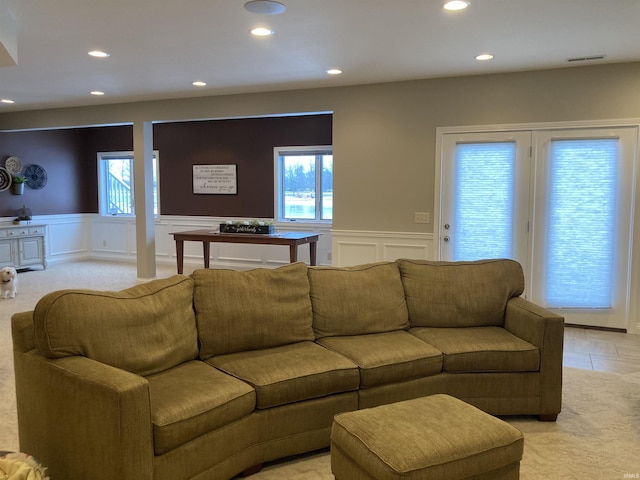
(206, 248)
(293, 253)
(312, 252)
(180, 255)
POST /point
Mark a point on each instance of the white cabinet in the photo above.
(22, 246)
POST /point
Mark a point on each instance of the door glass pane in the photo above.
(581, 223)
(484, 192)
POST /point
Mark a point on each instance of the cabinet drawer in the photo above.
(17, 232)
(3, 234)
(36, 231)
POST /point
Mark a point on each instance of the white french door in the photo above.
(582, 237)
(558, 201)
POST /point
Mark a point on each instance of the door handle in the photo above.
(446, 238)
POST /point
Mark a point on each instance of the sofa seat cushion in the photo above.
(481, 349)
(193, 399)
(357, 300)
(144, 329)
(291, 373)
(251, 310)
(387, 357)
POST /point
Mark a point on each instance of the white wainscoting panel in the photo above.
(351, 247)
(68, 237)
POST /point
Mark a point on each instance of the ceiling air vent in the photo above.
(586, 59)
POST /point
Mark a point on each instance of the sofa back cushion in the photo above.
(460, 294)
(145, 329)
(261, 308)
(357, 300)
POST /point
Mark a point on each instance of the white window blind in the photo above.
(581, 224)
(483, 214)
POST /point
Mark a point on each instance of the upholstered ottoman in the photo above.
(437, 437)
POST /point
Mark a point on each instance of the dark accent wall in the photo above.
(59, 152)
(69, 157)
(248, 143)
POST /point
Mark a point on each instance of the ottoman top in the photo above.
(436, 437)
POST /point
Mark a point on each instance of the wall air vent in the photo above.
(586, 59)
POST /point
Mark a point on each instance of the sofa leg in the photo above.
(251, 470)
(548, 417)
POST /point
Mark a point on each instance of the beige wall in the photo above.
(384, 135)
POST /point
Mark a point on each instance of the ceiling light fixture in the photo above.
(454, 5)
(264, 7)
(199, 83)
(99, 54)
(334, 71)
(97, 93)
(7, 100)
(484, 56)
(261, 32)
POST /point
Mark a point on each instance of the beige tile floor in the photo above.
(601, 350)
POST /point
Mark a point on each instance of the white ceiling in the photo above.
(159, 47)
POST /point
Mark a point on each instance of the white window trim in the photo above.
(278, 205)
(101, 190)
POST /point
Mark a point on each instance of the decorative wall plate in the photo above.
(36, 176)
(5, 179)
(13, 165)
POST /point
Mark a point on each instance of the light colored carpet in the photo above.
(597, 435)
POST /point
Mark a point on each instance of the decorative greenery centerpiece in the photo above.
(253, 226)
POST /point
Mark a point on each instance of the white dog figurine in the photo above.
(8, 282)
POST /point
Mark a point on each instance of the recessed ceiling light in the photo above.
(261, 32)
(264, 7)
(484, 56)
(97, 93)
(99, 54)
(334, 71)
(7, 100)
(456, 5)
(198, 83)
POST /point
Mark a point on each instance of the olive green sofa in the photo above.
(210, 375)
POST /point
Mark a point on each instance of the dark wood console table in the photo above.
(292, 239)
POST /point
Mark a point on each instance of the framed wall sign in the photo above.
(215, 179)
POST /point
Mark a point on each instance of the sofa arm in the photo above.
(22, 332)
(544, 329)
(84, 419)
